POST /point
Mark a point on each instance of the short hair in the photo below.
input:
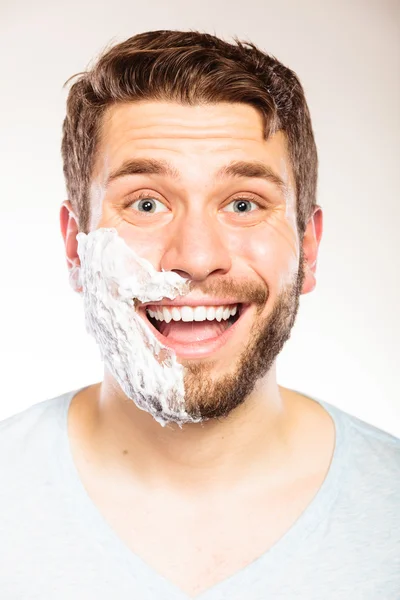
(188, 67)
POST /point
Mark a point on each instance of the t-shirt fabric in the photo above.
(55, 544)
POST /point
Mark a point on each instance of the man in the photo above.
(191, 230)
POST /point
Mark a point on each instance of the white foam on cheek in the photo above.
(112, 276)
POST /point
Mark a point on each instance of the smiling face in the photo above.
(197, 190)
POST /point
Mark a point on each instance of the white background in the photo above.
(345, 344)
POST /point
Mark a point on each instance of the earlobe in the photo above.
(311, 241)
(69, 230)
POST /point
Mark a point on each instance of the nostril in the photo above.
(183, 274)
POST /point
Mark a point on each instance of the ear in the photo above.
(311, 240)
(69, 230)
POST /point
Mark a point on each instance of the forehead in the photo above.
(198, 138)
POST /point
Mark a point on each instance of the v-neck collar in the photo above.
(100, 532)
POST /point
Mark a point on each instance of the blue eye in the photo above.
(240, 206)
(148, 205)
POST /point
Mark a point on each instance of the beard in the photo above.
(112, 277)
(213, 397)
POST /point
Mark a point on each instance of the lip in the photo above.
(199, 349)
(193, 302)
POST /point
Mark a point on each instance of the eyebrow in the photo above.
(237, 168)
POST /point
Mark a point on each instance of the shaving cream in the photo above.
(111, 276)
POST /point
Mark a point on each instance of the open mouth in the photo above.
(200, 327)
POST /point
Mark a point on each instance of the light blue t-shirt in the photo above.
(55, 544)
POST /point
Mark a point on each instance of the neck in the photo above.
(253, 439)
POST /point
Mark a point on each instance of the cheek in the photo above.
(271, 250)
(148, 245)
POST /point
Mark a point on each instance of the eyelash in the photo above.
(147, 196)
(143, 196)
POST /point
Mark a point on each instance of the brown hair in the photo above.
(191, 68)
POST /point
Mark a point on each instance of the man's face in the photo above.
(232, 233)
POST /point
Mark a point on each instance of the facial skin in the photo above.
(254, 257)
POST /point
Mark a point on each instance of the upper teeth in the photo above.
(188, 313)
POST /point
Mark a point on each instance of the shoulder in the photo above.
(32, 431)
(366, 460)
(367, 440)
(370, 468)
(33, 415)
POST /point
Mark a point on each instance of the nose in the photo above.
(196, 249)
